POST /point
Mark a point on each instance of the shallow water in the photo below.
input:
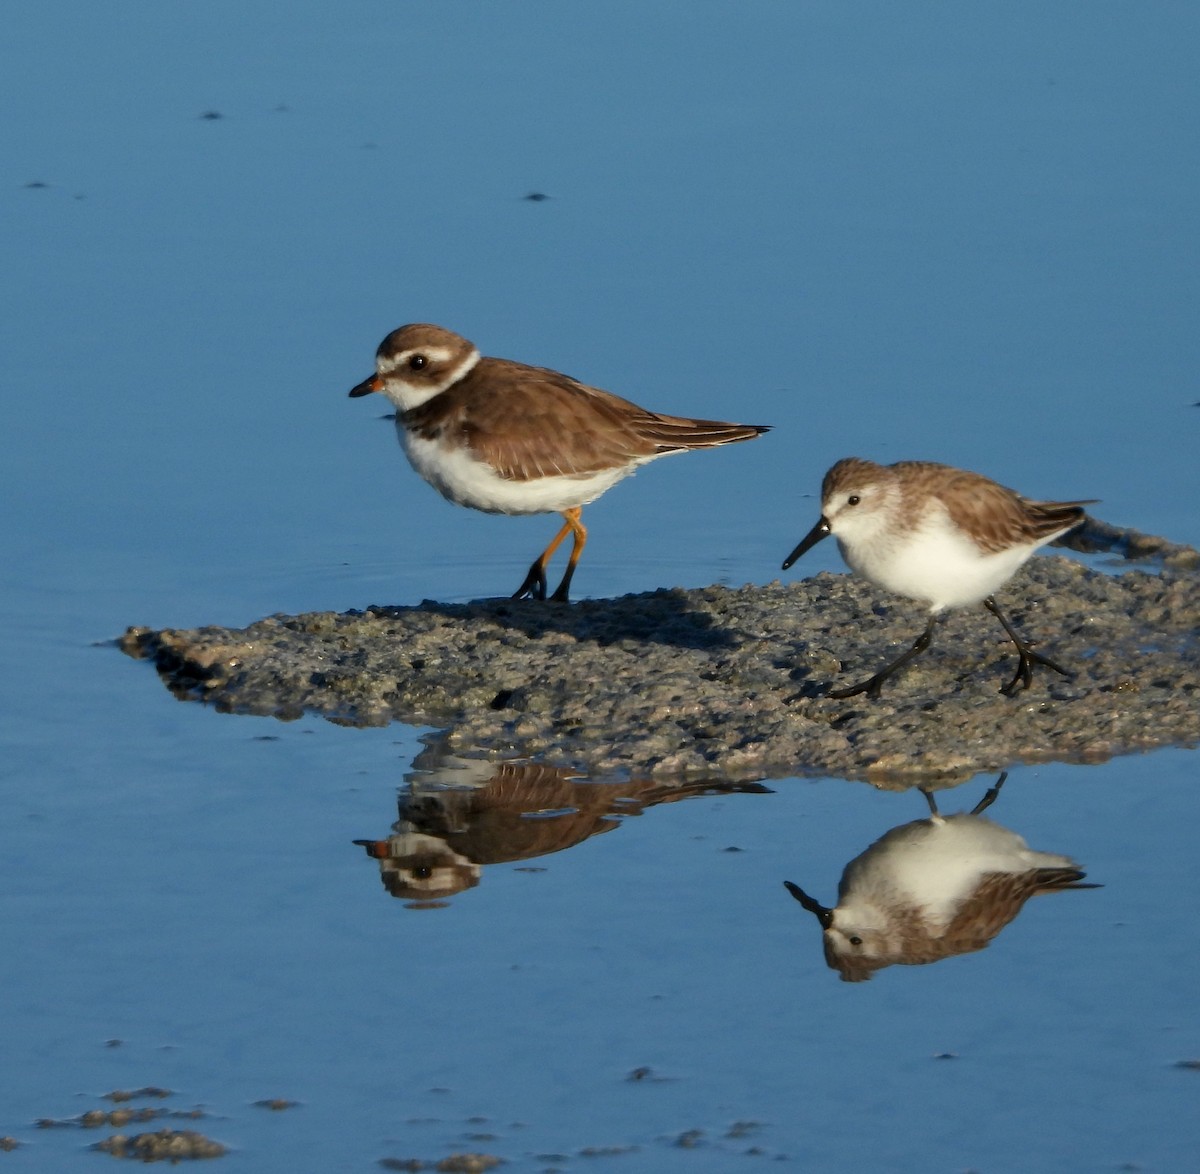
(964, 236)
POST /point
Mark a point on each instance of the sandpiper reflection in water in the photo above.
(465, 813)
(933, 888)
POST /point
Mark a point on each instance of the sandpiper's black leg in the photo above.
(872, 686)
(1027, 658)
(990, 795)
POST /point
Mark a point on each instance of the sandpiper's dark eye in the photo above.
(856, 941)
(853, 499)
(417, 362)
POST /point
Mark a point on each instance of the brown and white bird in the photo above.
(933, 888)
(507, 438)
(458, 814)
(944, 536)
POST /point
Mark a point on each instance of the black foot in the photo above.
(1028, 658)
(990, 795)
(562, 591)
(872, 688)
(534, 586)
(1024, 676)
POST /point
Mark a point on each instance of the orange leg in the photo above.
(580, 541)
(534, 586)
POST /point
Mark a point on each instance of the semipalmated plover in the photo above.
(940, 535)
(507, 438)
(458, 814)
(933, 888)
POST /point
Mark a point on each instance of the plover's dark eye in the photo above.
(856, 941)
(417, 362)
(853, 499)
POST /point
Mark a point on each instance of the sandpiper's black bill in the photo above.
(822, 912)
(365, 387)
(819, 531)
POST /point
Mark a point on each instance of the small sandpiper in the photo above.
(940, 535)
(933, 888)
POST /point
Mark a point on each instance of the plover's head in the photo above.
(416, 362)
(414, 866)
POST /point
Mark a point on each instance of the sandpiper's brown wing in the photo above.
(997, 517)
(999, 897)
(530, 422)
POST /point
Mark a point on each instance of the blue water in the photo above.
(963, 233)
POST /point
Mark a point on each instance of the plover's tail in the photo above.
(675, 433)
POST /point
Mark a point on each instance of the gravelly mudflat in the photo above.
(729, 683)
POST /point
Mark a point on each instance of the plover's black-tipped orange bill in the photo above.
(819, 531)
(366, 387)
(376, 848)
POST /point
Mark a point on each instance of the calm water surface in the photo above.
(964, 234)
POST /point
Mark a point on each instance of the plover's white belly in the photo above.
(936, 564)
(462, 479)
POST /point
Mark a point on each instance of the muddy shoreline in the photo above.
(730, 683)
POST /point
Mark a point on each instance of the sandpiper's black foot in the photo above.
(1028, 658)
(873, 688)
(1024, 675)
(990, 795)
(534, 586)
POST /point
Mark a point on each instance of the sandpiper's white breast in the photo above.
(934, 562)
(465, 480)
(934, 864)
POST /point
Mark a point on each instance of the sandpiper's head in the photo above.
(856, 499)
(854, 946)
(416, 362)
(856, 952)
